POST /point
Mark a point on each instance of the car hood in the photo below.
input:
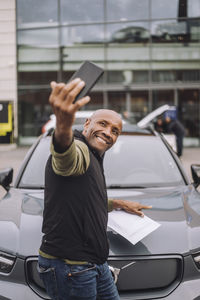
(177, 210)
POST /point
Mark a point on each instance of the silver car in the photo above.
(142, 167)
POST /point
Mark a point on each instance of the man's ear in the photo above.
(86, 124)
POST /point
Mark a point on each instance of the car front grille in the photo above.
(148, 277)
(33, 278)
(144, 277)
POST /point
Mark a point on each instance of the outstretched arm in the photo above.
(61, 100)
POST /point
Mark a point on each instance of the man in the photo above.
(178, 130)
(158, 125)
(74, 249)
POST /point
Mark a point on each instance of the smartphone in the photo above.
(90, 74)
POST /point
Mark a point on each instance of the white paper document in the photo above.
(132, 227)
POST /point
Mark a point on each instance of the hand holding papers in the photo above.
(130, 226)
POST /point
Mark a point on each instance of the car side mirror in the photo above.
(6, 177)
(195, 169)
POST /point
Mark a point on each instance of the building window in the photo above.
(117, 10)
(36, 77)
(79, 11)
(134, 32)
(141, 45)
(34, 111)
(193, 8)
(140, 76)
(163, 76)
(161, 97)
(96, 101)
(188, 75)
(78, 35)
(117, 101)
(115, 77)
(161, 9)
(189, 107)
(139, 105)
(36, 13)
(39, 37)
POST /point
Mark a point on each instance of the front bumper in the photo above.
(15, 285)
(13, 291)
(189, 290)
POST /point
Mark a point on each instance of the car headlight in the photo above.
(6, 263)
(196, 258)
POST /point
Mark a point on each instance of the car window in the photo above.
(33, 175)
(133, 161)
(141, 161)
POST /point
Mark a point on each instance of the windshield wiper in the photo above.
(33, 187)
(123, 186)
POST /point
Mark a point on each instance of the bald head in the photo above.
(106, 112)
(102, 129)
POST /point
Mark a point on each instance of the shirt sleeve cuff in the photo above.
(110, 205)
(69, 150)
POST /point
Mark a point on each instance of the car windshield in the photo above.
(134, 161)
(141, 161)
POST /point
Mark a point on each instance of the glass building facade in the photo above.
(149, 49)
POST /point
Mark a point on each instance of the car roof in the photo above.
(135, 129)
(127, 129)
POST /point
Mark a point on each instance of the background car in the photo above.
(149, 120)
(81, 116)
(142, 167)
(145, 122)
(130, 34)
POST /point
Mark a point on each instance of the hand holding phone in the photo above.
(90, 74)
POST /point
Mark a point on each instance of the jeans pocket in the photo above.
(83, 281)
(80, 269)
(48, 276)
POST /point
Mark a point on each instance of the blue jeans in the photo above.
(75, 282)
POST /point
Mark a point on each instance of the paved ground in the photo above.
(12, 156)
(190, 156)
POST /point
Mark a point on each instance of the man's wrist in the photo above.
(115, 204)
(62, 140)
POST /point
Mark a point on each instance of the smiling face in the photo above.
(102, 129)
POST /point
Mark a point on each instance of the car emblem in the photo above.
(115, 271)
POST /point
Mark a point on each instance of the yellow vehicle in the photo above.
(6, 122)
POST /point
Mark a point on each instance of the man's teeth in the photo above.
(99, 138)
